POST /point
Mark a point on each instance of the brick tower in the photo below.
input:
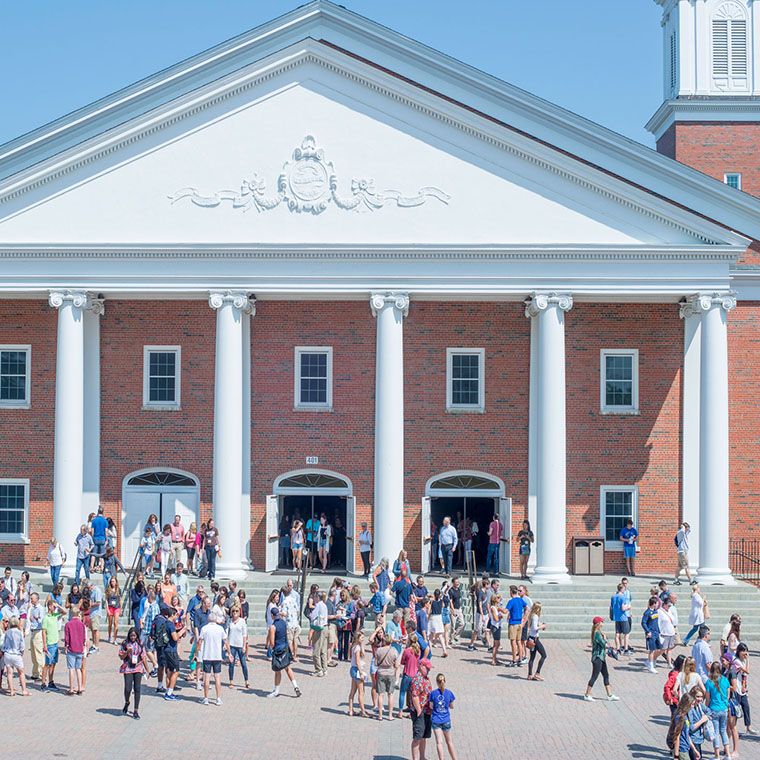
(710, 115)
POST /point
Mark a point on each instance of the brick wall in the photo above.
(642, 449)
(28, 434)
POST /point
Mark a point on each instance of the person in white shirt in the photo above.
(213, 642)
(365, 547)
(179, 579)
(34, 615)
(290, 612)
(447, 541)
(10, 610)
(682, 548)
(667, 629)
(697, 613)
(321, 635)
(688, 678)
(237, 639)
(56, 556)
(11, 584)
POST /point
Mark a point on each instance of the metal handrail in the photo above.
(125, 594)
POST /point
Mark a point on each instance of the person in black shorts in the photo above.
(419, 695)
(170, 654)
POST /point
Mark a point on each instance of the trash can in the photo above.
(581, 556)
(596, 556)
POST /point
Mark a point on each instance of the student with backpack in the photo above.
(681, 540)
(166, 636)
(679, 734)
(671, 692)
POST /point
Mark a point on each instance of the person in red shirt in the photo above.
(75, 637)
(419, 695)
(178, 539)
(494, 537)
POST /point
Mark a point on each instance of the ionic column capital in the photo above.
(77, 298)
(378, 301)
(539, 302)
(239, 299)
(702, 302)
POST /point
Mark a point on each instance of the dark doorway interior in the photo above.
(478, 510)
(306, 506)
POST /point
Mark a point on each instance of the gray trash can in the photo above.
(581, 556)
(596, 556)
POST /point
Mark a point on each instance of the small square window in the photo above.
(14, 510)
(313, 377)
(733, 179)
(161, 379)
(618, 505)
(465, 385)
(619, 389)
(15, 376)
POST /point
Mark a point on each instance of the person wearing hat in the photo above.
(599, 662)
(277, 643)
(365, 547)
(420, 713)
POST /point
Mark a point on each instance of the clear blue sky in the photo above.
(599, 58)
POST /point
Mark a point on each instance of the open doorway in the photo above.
(471, 516)
(307, 495)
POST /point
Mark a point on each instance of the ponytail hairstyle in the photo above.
(414, 644)
(536, 610)
(715, 674)
(594, 628)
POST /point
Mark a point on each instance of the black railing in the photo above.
(745, 559)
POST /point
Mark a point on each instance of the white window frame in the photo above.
(634, 407)
(458, 408)
(23, 537)
(27, 402)
(738, 175)
(311, 406)
(162, 405)
(616, 546)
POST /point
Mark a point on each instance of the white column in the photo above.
(91, 444)
(389, 309)
(549, 312)
(245, 503)
(532, 439)
(228, 429)
(713, 438)
(692, 335)
(68, 460)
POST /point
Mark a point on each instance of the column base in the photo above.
(709, 576)
(235, 572)
(546, 575)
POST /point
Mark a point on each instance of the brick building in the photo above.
(324, 268)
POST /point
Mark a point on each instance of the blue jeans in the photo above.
(719, 720)
(211, 561)
(403, 688)
(694, 630)
(82, 562)
(447, 550)
(238, 654)
(55, 573)
(492, 558)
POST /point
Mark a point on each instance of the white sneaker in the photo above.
(198, 686)
(273, 694)
(588, 698)
(613, 698)
(218, 701)
(204, 701)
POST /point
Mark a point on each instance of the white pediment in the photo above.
(312, 156)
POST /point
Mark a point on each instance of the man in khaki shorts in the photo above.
(289, 608)
(682, 547)
(515, 608)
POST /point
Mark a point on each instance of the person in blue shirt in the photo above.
(718, 687)
(629, 535)
(402, 590)
(515, 609)
(99, 526)
(619, 614)
(651, 625)
(377, 601)
(680, 731)
(628, 597)
(441, 704)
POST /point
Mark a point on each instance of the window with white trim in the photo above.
(618, 505)
(619, 387)
(730, 61)
(161, 377)
(14, 509)
(465, 379)
(15, 376)
(313, 377)
(733, 179)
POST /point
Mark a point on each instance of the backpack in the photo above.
(668, 690)
(159, 634)
(675, 540)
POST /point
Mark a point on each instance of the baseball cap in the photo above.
(426, 663)
(597, 619)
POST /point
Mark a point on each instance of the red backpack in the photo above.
(669, 695)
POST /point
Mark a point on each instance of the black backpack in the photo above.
(159, 634)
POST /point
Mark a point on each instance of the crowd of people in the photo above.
(387, 639)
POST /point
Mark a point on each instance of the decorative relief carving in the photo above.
(539, 302)
(308, 184)
(77, 298)
(378, 301)
(702, 302)
(240, 300)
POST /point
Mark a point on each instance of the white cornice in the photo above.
(701, 109)
(421, 65)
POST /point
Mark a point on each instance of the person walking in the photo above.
(358, 675)
(277, 643)
(718, 690)
(420, 712)
(629, 536)
(698, 614)
(75, 637)
(134, 665)
(212, 547)
(494, 541)
(495, 615)
(441, 704)
(534, 643)
(178, 539)
(682, 549)
(448, 540)
(320, 635)
(365, 547)
(651, 625)
(56, 556)
(84, 546)
(457, 616)
(525, 538)
(296, 544)
(238, 640)
(599, 662)
(739, 677)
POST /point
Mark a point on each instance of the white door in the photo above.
(273, 533)
(351, 535)
(505, 551)
(425, 563)
(138, 505)
(183, 504)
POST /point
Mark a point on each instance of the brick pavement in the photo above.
(498, 713)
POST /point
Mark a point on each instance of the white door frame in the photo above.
(126, 489)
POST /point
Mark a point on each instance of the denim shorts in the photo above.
(74, 661)
(354, 672)
(442, 726)
(51, 655)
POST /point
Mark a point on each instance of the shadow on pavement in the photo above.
(647, 752)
